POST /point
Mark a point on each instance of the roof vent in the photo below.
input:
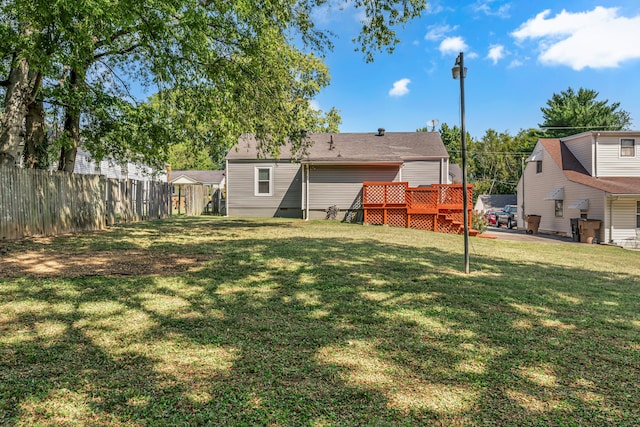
(380, 131)
(331, 146)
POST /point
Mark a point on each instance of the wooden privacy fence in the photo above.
(129, 200)
(435, 208)
(191, 199)
(37, 202)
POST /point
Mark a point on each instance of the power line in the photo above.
(505, 153)
(578, 127)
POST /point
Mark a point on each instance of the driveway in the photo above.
(504, 233)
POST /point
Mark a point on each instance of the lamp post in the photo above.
(459, 71)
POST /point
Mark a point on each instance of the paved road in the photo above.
(504, 233)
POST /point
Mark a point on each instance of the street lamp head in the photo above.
(455, 72)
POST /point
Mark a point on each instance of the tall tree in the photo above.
(183, 157)
(571, 112)
(240, 63)
(452, 139)
(28, 39)
(494, 161)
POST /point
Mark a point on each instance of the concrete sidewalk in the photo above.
(521, 236)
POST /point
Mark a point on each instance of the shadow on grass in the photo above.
(321, 330)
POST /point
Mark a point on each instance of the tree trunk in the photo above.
(35, 146)
(71, 127)
(15, 100)
(35, 141)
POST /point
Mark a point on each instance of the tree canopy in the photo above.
(571, 112)
(220, 69)
(493, 161)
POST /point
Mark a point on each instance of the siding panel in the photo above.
(611, 164)
(582, 148)
(286, 193)
(624, 219)
(342, 185)
(418, 173)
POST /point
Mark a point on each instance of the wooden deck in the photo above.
(436, 208)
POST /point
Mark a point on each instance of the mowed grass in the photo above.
(293, 323)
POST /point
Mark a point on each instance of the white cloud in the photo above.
(332, 11)
(434, 7)
(452, 45)
(438, 32)
(361, 16)
(496, 53)
(484, 6)
(315, 105)
(515, 63)
(400, 88)
(599, 38)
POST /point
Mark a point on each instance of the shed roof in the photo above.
(392, 147)
(574, 170)
(201, 176)
(497, 201)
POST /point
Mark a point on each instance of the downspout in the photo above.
(595, 156)
(307, 190)
(447, 170)
(524, 215)
(302, 190)
(611, 199)
(226, 189)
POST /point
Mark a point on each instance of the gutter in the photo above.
(351, 163)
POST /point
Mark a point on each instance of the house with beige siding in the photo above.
(592, 175)
(329, 172)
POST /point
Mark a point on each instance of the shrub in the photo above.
(478, 221)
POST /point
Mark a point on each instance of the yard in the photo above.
(219, 321)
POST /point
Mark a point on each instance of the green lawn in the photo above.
(217, 321)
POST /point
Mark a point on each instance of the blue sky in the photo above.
(518, 54)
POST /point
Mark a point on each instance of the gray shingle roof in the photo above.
(492, 202)
(204, 177)
(354, 147)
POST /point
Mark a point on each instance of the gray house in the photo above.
(330, 172)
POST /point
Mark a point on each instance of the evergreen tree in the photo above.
(571, 112)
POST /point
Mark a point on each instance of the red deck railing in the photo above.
(435, 208)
